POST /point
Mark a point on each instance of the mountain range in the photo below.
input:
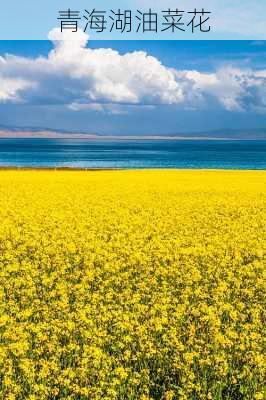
(219, 134)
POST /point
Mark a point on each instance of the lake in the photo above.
(80, 153)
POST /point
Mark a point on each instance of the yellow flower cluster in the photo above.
(132, 285)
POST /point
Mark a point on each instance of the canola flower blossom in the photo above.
(133, 285)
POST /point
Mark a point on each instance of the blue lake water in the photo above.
(78, 153)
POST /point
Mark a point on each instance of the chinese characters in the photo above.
(128, 21)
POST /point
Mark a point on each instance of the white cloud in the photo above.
(104, 80)
(10, 88)
(60, 38)
(224, 85)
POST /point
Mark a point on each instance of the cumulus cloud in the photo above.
(102, 80)
(229, 86)
(10, 88)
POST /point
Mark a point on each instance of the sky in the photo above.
(133, 87)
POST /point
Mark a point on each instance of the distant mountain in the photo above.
(7, 128)
(234, 134)
(30, 132)
(15, 132)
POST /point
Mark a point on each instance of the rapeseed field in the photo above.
(133, 285)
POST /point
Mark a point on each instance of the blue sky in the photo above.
(133, 87)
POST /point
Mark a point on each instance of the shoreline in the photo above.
(107, 138)
(124, 139)
(98, 169)
(14, 168)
